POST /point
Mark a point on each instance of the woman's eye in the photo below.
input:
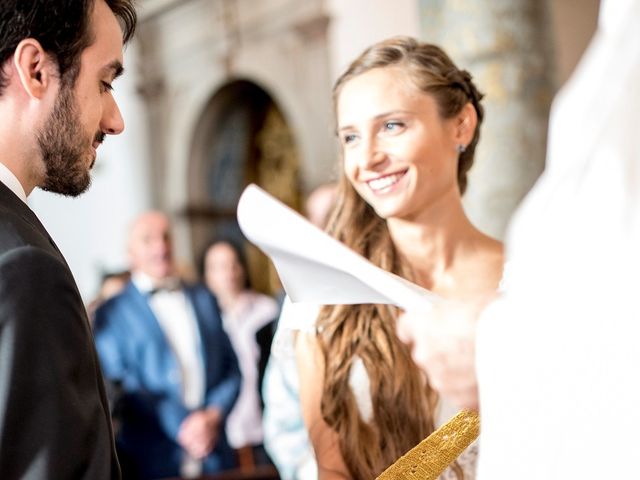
(106, 87)
(393, 126)
(348, 138)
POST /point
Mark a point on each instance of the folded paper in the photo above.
(316, 268)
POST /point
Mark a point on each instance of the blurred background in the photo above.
(221, 93)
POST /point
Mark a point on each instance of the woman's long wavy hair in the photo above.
(403, 402)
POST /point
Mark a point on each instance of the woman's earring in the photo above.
(461, 148)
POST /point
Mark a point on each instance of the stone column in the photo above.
(506, 45)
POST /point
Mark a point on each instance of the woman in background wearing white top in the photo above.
(408, 123)
(244, 313)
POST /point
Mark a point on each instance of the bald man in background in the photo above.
(163, 342)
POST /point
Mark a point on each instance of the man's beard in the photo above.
(65, 148)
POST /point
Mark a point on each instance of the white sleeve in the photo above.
(294, 317)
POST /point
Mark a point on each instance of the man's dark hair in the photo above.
(61, 26)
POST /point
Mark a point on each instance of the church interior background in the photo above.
(221, 93)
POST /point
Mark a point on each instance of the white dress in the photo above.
(302, 317)
(558, 355)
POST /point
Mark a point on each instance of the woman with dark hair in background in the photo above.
(244, 313)
(408, 122)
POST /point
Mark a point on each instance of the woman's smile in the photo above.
(386, 183)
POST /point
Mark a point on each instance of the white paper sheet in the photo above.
(316, 268)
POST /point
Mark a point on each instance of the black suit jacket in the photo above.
(54, 419)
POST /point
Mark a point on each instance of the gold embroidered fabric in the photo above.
(428, 459)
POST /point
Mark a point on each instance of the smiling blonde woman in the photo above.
(408, 122)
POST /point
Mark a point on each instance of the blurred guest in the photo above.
(111, 284)
(286, 437)
(164, 342)
(320, 203)
(244, 313)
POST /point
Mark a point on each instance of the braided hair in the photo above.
(433, 72)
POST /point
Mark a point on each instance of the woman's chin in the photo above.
(391, 208)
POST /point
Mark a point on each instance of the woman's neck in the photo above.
(436, 242)
(228, 300)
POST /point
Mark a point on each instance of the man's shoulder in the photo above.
(35, 283)
(31, 261)
(126, 314)
(199, 292)
(204, 302)
(16, 231)
(118, 302)
(36, 273)
(195, 287)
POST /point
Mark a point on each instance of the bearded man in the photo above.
(58, 61)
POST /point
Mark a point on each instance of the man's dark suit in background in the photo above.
(163, 343)
(135, 352)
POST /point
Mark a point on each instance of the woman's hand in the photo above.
(442, 344)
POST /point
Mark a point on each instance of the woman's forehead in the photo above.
(376, 92)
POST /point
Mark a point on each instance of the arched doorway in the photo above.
(242, 138)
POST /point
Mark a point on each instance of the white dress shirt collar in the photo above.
(142, 281)
(145, 284)
(11, 181)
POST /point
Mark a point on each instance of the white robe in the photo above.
(558, 356)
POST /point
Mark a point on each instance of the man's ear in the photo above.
(35, 69)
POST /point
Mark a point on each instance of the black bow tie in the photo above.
(169, 285)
